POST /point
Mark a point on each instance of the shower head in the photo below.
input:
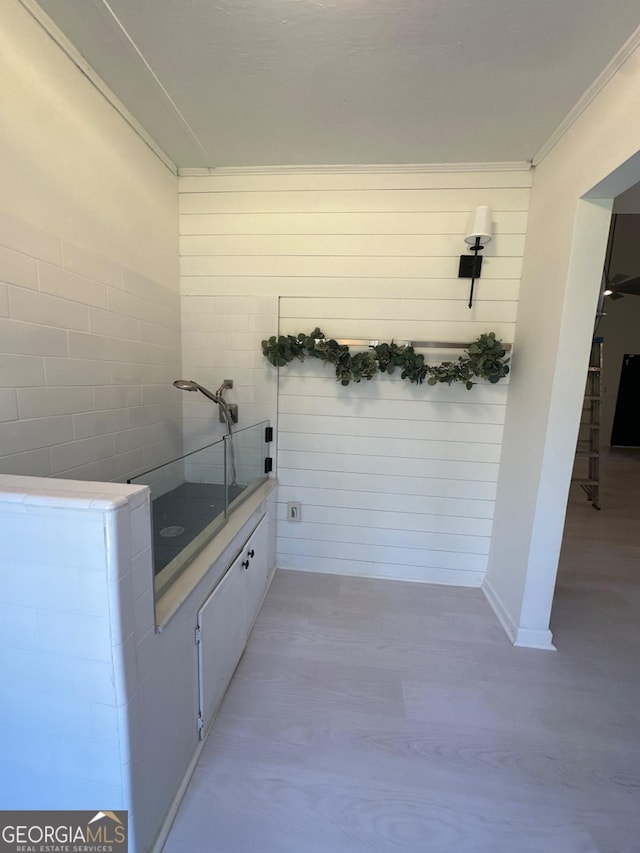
(186, 385)
(190, 385)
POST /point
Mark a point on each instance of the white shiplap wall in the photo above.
(394, 480)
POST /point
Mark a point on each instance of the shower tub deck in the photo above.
(192, 497)
(181, 515)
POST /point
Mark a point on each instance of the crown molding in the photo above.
(610, 70)
(353, 169)
(56, 34)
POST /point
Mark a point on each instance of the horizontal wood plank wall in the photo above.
(394, 480)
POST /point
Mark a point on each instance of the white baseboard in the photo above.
(504, 617)
(530, 638)
(440, 577)
(535, 638)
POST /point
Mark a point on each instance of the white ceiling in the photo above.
(297, 82)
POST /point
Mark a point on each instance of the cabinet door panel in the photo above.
(256, 573)
(222, 620)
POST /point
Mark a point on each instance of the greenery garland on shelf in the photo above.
(483, 359)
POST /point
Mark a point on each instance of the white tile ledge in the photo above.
(68, 494)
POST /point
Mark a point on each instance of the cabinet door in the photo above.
(255, 562)
(222, 622)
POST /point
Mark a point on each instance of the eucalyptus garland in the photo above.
(483, 359)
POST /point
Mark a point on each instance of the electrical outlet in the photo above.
(293, 511)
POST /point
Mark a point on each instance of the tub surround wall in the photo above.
(221, 340)
(87, 362)
(71, 167)
(89, 311)
(99, 709)
(394, 481)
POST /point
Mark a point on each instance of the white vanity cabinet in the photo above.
(225, 621)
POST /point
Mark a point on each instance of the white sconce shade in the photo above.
(480, 227)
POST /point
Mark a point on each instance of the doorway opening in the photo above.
(597, 581)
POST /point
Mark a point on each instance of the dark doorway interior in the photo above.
(626, 421)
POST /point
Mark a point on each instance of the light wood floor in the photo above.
(383, 716)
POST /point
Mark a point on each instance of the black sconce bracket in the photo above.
(471, 266)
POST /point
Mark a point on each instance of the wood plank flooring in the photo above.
(372, 715)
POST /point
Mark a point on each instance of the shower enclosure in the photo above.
(193, 496)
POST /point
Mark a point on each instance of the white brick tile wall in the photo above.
(159, 335)
(140, 530)
(8, 405)
(50, 310)
(124, 373)
(74, 635)
(33, 463)
(4, 300)
(165, 393)
(69, 285)
(88, 424)
(77, 453)
(142, 309)
(121, 605)
(60, 400)
(17, 436)
(92, 266)
(141, 572)
(139, 285)
(76, 371)
(90, 679)
(131, 439)
(32, 339)
(145, 415)
(22, 753)
(80, 335)
(117, 396)
(28, 240)
(67, 654)
(125, 465)
(16, 268)
(156, 453)
(113, 325)
(104, 724)
(105, 470)
(20, 370)
(101, 761)
(18, 629)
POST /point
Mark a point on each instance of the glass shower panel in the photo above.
(246, 450)
(191, 497)
(189, 505)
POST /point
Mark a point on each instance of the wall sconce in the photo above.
(479, 235)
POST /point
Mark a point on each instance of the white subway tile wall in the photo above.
(62, 638)
(88, 351)
(394, 481)
(217, 344)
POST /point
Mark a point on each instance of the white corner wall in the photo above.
(572, 194)
(73, 555)
(89, 309)
(394, 481)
